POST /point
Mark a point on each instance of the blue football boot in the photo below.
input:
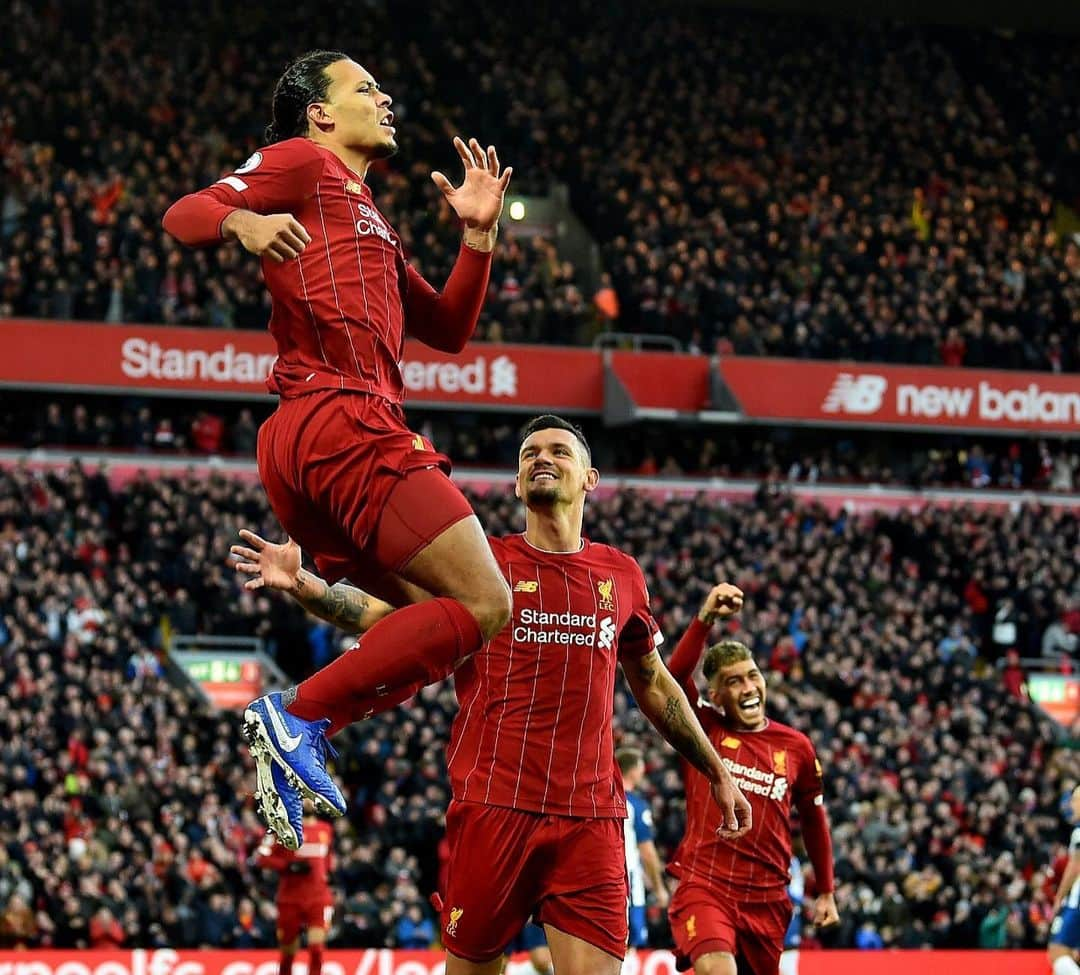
(299, 748)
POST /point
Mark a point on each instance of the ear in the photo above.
(592, 480)
(317, 116)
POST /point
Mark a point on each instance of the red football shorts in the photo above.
(360, 492)
(705, 919)
(294, 917)
(507, 865)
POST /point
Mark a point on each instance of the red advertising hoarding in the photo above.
(905, 396)
(166, 961)
(193, 360)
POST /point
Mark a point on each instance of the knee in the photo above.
(491, 608)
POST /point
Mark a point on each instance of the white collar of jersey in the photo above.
(549, 551)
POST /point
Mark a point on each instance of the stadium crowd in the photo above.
(176, 428)
(914, 202)
(127, 819)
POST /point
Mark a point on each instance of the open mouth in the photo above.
(545, 476)
(388, 122)
(751, 705)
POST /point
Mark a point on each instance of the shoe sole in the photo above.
(271, 807)
(261, 746)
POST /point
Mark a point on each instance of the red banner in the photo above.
(193, 360)
(166, 961)
(910, 396)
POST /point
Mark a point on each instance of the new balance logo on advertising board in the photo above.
(859, 394)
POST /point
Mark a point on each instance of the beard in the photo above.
(384, 150)
(542, 494)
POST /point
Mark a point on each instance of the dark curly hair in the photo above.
(303, 82)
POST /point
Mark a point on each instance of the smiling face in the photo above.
(553, 469)
(739, 689)
(355, 114)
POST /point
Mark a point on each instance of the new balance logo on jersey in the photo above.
(526, 585)
(859, 395)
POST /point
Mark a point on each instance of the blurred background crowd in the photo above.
(752, 185)
(891, 640)
(747, 190)
(141, 428)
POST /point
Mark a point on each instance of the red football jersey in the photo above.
(312, 887)
(338, 311)
(774, 767)
(534, 729)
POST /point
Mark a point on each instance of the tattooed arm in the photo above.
(665, 704)
(278, 567)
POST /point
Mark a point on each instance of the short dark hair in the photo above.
(629, 758)
(304, 81)
(551, 422)
(724, 654)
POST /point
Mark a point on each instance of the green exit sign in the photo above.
(215, 671)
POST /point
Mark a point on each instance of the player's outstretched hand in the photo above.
(268, 563)
(278, 236)
(723, 602)
(479, 198)
(826, 913)
(735, 812)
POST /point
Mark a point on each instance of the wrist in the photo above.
(481, 239)
(232, 222)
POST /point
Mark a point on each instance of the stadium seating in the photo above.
(126, 799)
(750, 190)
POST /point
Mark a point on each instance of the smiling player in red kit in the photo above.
(369, 499)
(731, 909)
(535, 826)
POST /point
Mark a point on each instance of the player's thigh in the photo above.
(761, 936)
(462, 966)
(458, 563)
(585, 891)
(704, 926)
(1065, 930)
(571, 955)
(290, 922)
(491, 884)
(319, 917)
(716, 963)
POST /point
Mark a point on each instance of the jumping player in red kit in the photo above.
(731, 909)
(535, 826)
(304, 899)
(369, 499)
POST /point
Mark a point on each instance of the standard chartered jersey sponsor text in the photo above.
(565, 629)
(145, 359)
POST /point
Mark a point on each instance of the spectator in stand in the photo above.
(909, 214)
(943, 786)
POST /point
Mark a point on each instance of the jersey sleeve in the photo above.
(641, 633)
(1074, 842)
(277, 177)
(809, 797)
(643, 820)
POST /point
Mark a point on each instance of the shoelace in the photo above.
(322, 743)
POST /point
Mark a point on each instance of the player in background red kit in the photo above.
(369, 499)
(535, 826)
(304, 899)
(731, 903)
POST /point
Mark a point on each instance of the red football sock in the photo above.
(410, 648)
(315, 962)
(285, 964)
